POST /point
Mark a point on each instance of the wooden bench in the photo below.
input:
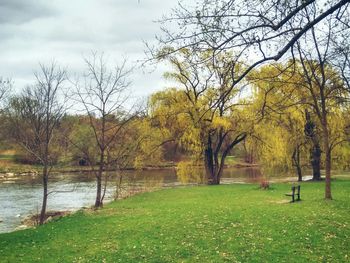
(295, 192)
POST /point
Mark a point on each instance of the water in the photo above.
(20, 197)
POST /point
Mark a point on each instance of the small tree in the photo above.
(35, 115)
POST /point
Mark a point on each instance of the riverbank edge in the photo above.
(31, 221)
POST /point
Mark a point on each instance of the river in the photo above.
(21, 196)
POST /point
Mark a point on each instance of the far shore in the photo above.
(36, 170)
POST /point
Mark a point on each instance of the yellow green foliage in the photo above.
(149, 138)
(189, 172)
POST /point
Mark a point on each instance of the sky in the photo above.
(40, 31)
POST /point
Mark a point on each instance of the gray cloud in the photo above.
(20, 11)
(34, 31)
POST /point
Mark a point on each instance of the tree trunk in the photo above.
(209, 162)
(215, 169)
(296, 162)
(45, 193)
(221, 167)
(101, 165)
(45, 174)
(328, 193)
(98, 202)
(316, 161)
(300, 176)
(315, 151)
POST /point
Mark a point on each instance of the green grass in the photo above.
(227, 223)
(7, 157)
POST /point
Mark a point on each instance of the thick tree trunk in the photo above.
(214, 168)
(300, 175)
(315, 151)
(209, 162)
(221, 167)
(316, 161)
(45, 194)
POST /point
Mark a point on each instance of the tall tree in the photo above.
(311, 84)
(213, 115)
(324, 85)
(35, 115)
(103, 95)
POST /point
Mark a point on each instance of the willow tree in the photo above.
(208, 114)
(268, 29)
(278, 137)
(310, 86)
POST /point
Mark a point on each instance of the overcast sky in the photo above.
(33, 31)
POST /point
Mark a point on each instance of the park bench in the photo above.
(295, 192)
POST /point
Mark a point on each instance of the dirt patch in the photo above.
(283, 201)
(33, 220)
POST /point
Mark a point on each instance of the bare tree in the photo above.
(35, 115)
(5, 88)
(340, 53)
(103, 94)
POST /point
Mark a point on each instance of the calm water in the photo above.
(20, 197)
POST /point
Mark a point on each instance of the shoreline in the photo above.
(12, 175)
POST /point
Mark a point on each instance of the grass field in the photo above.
(227, 223)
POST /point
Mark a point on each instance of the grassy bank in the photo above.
(227, 223)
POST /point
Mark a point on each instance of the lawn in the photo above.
(227, 223)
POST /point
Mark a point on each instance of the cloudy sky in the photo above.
(33, 31)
